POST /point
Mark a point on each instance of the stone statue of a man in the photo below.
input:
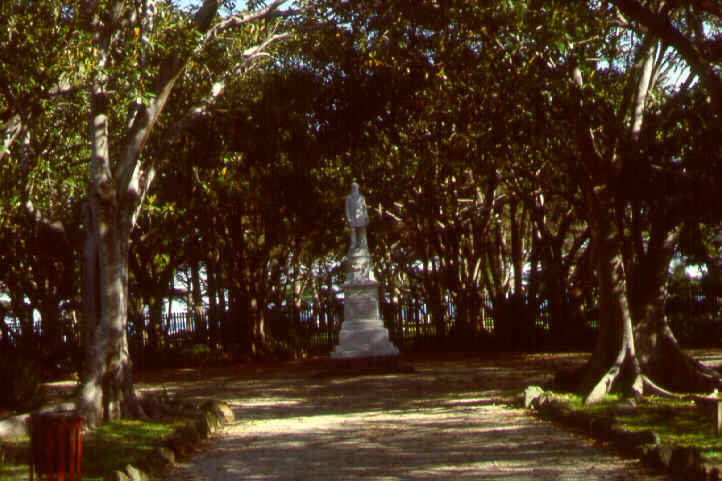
(357, 218)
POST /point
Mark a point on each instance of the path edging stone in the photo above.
(682, 461)
(207, 417)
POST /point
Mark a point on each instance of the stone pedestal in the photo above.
(363, 334)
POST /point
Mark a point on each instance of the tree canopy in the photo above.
(516, 157)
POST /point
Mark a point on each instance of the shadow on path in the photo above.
(446, 421)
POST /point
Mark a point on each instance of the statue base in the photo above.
(363, 335)
(361, 366)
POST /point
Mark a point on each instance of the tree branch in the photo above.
(242, 18)
(40, 218)
(10, 131)
(141, 184)
(661, 27)
(644, 85)
(246, 64)
(145, 119)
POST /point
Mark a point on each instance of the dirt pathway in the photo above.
(448, 420)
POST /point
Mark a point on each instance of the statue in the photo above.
(363, 336)
(357, 217)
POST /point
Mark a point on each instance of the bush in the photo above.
(198, 353)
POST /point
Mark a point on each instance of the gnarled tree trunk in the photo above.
(660, 355)
(614, 360)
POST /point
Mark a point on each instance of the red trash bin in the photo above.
(56, 445)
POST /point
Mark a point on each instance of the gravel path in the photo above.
(448, 420)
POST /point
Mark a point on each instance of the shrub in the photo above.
(198, 353)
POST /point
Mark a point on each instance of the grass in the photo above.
(677, 422)
(110, 447)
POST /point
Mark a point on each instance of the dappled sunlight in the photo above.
(420, 445)
(267, 401)
(445, 421)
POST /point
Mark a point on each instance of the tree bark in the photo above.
(436, 303)
(516, 220)
(107, 392)
(660, 355)
(213, 311)
(155, 324)
(614, 359)
(4, 330)
(636, 349)
(108, 375)
(197, 301)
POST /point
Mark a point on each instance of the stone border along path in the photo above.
(448, 420)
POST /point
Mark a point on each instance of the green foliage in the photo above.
(110, 447)
(676, 422)
(198, 354)
(41, 177)
(459, 119)
(114, 445)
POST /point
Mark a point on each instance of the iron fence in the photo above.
(695, 316)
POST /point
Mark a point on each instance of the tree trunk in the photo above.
(635, 348)
(52, 327)
(213, 313)
(91, 302)
(614, 359)
(4, 329)
(257, 327)
(432, 286)
(631, 292)
(234, 320)
(107, 392)
(108, 376)
(554, 290)
(116, 192)
(661, 357)
(516, 220)
(197, 302)
(155, 323)
(223, 308)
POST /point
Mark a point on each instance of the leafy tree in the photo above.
(131, 55)
(632, 180)
(405, 103)
(41, 178)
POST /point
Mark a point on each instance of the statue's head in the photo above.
(354, 188)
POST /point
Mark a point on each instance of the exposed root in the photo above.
(604, 385)
(704, 373)
(641, 385)
(653, 388)
(660, 391)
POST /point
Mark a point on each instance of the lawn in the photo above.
(110, 447)
(676, 421)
